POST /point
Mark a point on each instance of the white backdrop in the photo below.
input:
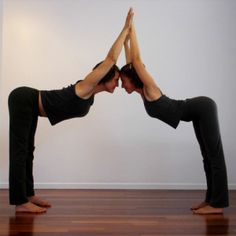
(187, 45)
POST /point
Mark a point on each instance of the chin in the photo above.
(111, 91)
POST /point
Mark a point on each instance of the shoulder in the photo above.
(151, 93)
(83, 89)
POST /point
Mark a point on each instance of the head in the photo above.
(111, 80)
(130, 79)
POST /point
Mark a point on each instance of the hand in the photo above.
(129, 18)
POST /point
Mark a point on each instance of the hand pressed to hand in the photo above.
(129, 18)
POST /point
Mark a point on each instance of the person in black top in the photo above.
(202, 111)
(26, 104)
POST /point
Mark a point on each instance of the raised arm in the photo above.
(150, 89)
(127, 50)
(86, 87)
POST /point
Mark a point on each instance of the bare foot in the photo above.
(200, 205)
(30, 208)
(39, 202)
(208, 210)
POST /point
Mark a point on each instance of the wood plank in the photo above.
(117, 212)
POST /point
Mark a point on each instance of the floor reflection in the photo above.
(217, 224)
(22, 224)
(25, 224)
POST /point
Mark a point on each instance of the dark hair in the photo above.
(129, 71)
(110, 74)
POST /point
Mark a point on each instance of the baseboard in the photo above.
(120, 186)
(179, 186)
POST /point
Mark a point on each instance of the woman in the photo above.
(26, 104)
(201, 111)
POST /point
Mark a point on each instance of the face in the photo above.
(112, 84)
(127, 84)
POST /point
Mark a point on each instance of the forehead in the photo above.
(124, 77)
(116, 77)
(117, 74)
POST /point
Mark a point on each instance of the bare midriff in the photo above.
(41, 109)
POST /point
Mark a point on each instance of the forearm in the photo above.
(134, 48)
(92, 79)
(127, 52)
(116, 48)
(138, 64)
(136, 57)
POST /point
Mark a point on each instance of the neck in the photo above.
(139, 90)
(99, 88)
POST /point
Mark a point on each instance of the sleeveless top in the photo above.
(165, 109)
(63, 104)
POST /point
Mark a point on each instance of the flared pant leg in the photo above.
(202, 111)
(23, 112)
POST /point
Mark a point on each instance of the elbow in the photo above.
(112, 57)
(137, 63)
(111, 60)
(136, 59)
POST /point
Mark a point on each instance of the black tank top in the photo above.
(165, 109)
(63, 104)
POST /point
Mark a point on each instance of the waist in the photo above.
(41, 109)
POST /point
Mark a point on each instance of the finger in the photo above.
(131, 11)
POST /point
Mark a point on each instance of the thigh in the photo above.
(23, 113)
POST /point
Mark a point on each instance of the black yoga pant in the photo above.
(202, 111)
(23, 112)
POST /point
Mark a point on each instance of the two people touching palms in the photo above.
(27, 104)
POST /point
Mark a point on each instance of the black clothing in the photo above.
(165, 109)
(202, 111)
(24, 111)
(64, 104)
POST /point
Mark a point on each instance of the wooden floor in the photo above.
(117, 212)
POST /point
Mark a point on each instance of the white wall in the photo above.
(187, 45)
(1, 5)
(2, 159)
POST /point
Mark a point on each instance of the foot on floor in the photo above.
(30, 208)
